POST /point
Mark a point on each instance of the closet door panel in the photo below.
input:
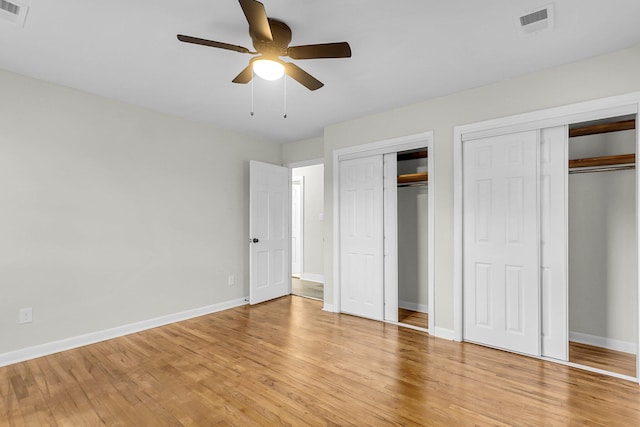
(391, 237)
(361, 237)
(553, 241)
(501, 242)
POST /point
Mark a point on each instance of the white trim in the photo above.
(107, 334)
(329, 308)
(374, 148)
(447, 334)
(604, 342)
(421, 308)
(556, 116)
(457, 234)
(312, 277)
(431, 233)
(564, 115)
(305, 163)
(384, 147)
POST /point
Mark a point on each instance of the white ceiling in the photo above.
(403, 52)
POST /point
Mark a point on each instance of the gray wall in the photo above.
(602, 244)
(113, 214)
(413, 253)
(413, 227)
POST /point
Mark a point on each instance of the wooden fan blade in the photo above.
(302, 77)
(245, 75)
(326, 50)
(257, 19)
(196, 40)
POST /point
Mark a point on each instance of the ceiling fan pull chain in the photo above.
(285, 96)
(252, 97)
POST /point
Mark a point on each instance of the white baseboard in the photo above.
(329, 307)
(312, 277)
(422, 308)
(611, 344)
(447, 334)
(94, 337)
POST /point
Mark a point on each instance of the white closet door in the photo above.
(361, 237)
(391, 237)
(501, 242)
(553, 241)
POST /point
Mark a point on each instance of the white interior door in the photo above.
(270, 240)
(501, 296)
(553, 242)
(361, 236)
(297, 228)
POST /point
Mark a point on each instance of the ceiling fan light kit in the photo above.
(268, 69)
(271, 40)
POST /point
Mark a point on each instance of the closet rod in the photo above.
(413, 184)
(602, 128)
(410, 178)
(602, 169)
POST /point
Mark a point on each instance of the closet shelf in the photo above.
(621, 159)
(409, 178)
(412, 156)
(602, 128)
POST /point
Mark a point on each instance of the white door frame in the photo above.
(383, 147)
(565, 115)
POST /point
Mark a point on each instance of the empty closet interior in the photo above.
(602, 258)
(412, 223)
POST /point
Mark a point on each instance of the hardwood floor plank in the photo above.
(603, 358)
(414, 318)
(287, 362)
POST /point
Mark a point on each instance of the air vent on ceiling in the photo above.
(536, 21)
(13, 12)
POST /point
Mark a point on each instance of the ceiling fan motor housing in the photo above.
(281, 34)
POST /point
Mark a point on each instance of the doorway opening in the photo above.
(307, 229)
(412, 230)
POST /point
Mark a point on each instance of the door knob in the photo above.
(254, 240)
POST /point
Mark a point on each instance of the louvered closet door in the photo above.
(361, 234)
(501, 242)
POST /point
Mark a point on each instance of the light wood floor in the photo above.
(287, 362)
(603, 358)
(414, 318)
(305, 288)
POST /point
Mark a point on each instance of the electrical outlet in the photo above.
(231, 280)
(25, 315)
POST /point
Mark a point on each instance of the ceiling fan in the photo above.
(271, 40)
